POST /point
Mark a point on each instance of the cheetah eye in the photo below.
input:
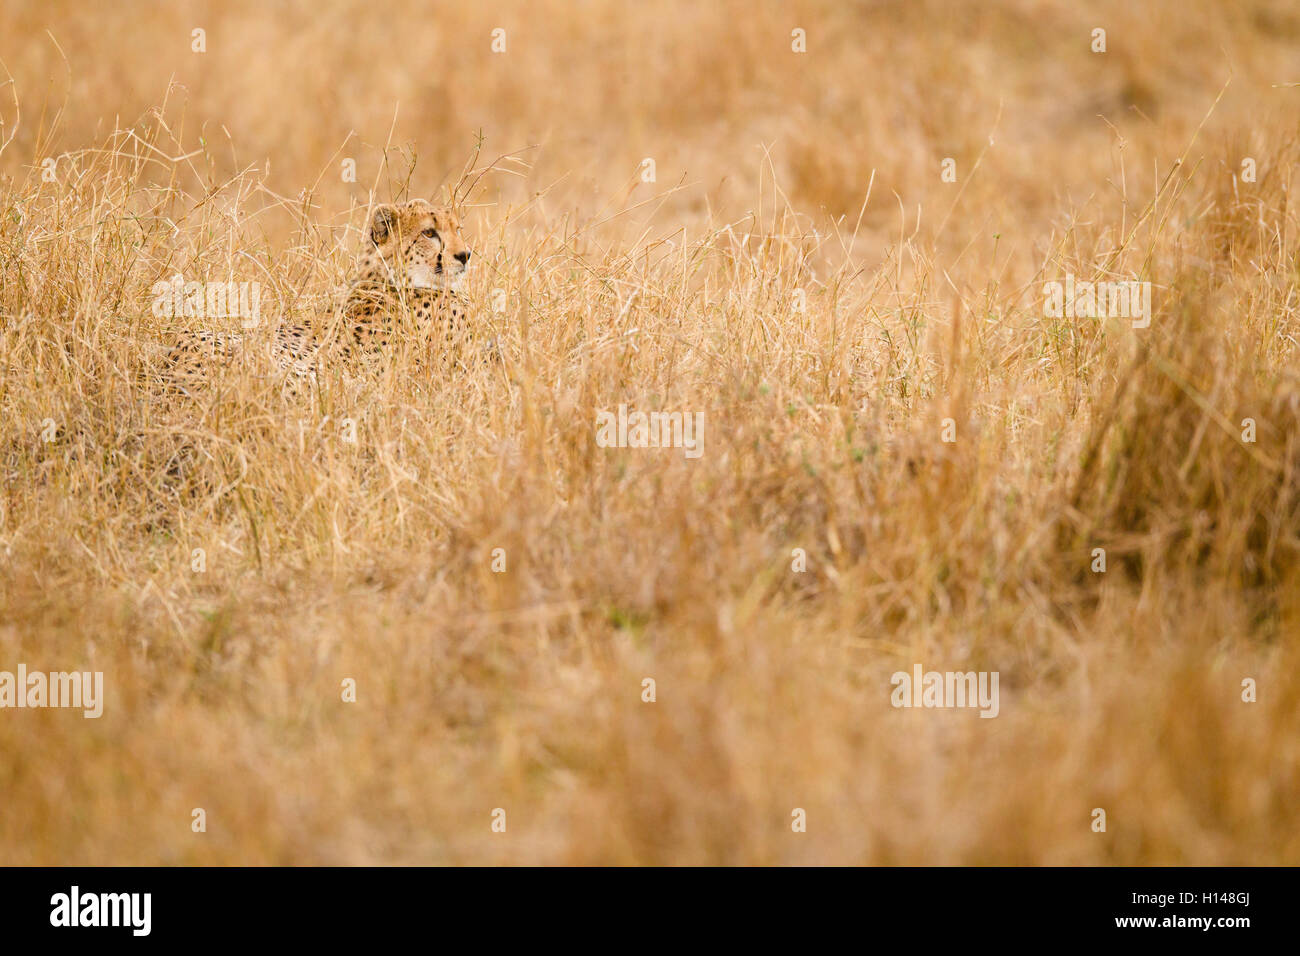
(431, 233)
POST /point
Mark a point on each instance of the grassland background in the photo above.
(778, 175)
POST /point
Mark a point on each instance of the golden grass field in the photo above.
(799, 272)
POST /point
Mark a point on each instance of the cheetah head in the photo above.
(416, 245)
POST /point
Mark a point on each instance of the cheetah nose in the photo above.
(463, 257)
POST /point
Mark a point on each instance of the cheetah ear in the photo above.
(383, 223)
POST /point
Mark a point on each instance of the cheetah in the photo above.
(414, 257)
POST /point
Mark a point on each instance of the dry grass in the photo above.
(522, 690)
